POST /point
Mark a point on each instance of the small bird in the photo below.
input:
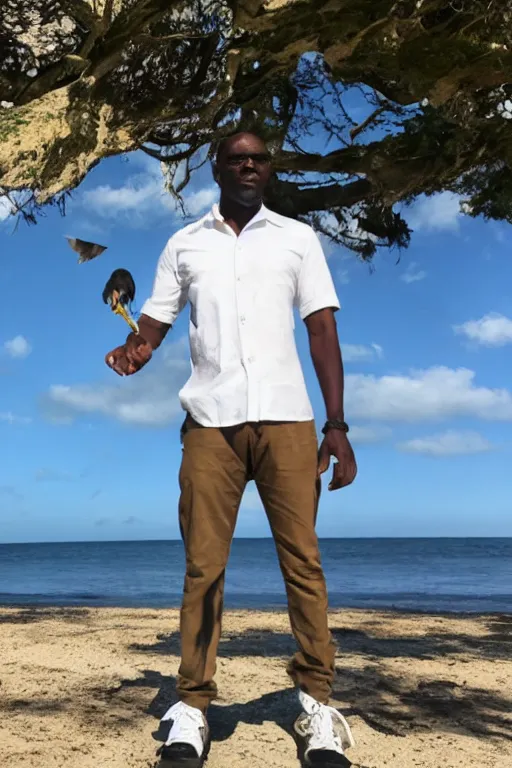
(119, 292)
(86, 251)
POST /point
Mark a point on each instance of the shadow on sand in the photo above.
(279, 707)
(495, 645)
(365, 686)
(32, 614)
(387, 703)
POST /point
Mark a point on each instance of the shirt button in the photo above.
(242, 319)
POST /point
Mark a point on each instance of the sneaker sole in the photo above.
(344, 763)
(171, 761)
(341, 761)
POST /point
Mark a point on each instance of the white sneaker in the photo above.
(188, 742)
(325, 733)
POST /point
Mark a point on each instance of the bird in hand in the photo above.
(119, 292)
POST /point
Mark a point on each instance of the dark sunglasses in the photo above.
(258, 158)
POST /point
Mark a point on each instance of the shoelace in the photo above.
(186, 722)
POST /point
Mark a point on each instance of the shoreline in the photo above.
(85, 687)
(34, 605)
(280, 609)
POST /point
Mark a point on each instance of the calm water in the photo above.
(411, 574)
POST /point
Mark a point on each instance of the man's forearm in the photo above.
(152, 331)
(326, 356)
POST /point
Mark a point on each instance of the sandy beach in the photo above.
(86, 687)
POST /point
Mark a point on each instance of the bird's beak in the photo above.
(120, 310)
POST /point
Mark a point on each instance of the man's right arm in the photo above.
(153, 331)
(167, 299)
(158, 314)
(139, 347)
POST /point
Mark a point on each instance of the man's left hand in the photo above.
(336, 443)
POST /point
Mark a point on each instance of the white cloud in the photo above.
(425, 395)
(109, 201)
(492, 330)
(5, 207)
(448, 443)
(360, 353)
(12, 203)
(143, 198)
(437, 213)
(149, 398)
(18, 347)
(362, 435)
(412, 274)
(11, 418)
(199, 202)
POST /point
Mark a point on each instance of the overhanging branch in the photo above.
(289, 199)
(179, 75)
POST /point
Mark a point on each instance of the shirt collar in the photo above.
(264, 214)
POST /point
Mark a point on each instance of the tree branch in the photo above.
(354, 132)
(179, 75)
(288, 199)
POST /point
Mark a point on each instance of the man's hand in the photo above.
(131, 356)
(336, 444)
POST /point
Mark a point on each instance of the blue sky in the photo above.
(88, 456)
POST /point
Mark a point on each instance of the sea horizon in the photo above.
(260, 538)
(454, 574)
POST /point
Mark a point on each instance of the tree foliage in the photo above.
(405, 97)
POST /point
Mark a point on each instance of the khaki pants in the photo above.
(216, 466)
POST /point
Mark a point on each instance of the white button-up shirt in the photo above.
(242, 292)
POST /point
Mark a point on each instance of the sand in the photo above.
(86, 687)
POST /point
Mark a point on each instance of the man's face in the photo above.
(243, 169)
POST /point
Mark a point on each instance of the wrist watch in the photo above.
(335, 424)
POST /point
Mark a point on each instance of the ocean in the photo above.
(438, 575)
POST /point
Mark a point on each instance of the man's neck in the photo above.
(237, 216)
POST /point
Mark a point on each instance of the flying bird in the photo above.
(86, 251)
(119, 292)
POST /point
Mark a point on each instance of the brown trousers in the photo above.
(216, 466)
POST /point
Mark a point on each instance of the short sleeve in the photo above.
(168, 297)
(315, 289)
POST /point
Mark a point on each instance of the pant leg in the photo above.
(286, 477)
(212, 481)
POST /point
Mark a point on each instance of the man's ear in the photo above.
(215, 172)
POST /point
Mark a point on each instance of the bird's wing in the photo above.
(86, 251)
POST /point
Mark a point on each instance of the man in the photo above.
(242, 269)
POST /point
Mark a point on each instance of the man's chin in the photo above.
(248, 197)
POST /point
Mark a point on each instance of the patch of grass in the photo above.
(10, 122)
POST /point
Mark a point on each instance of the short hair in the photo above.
(219, 146)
